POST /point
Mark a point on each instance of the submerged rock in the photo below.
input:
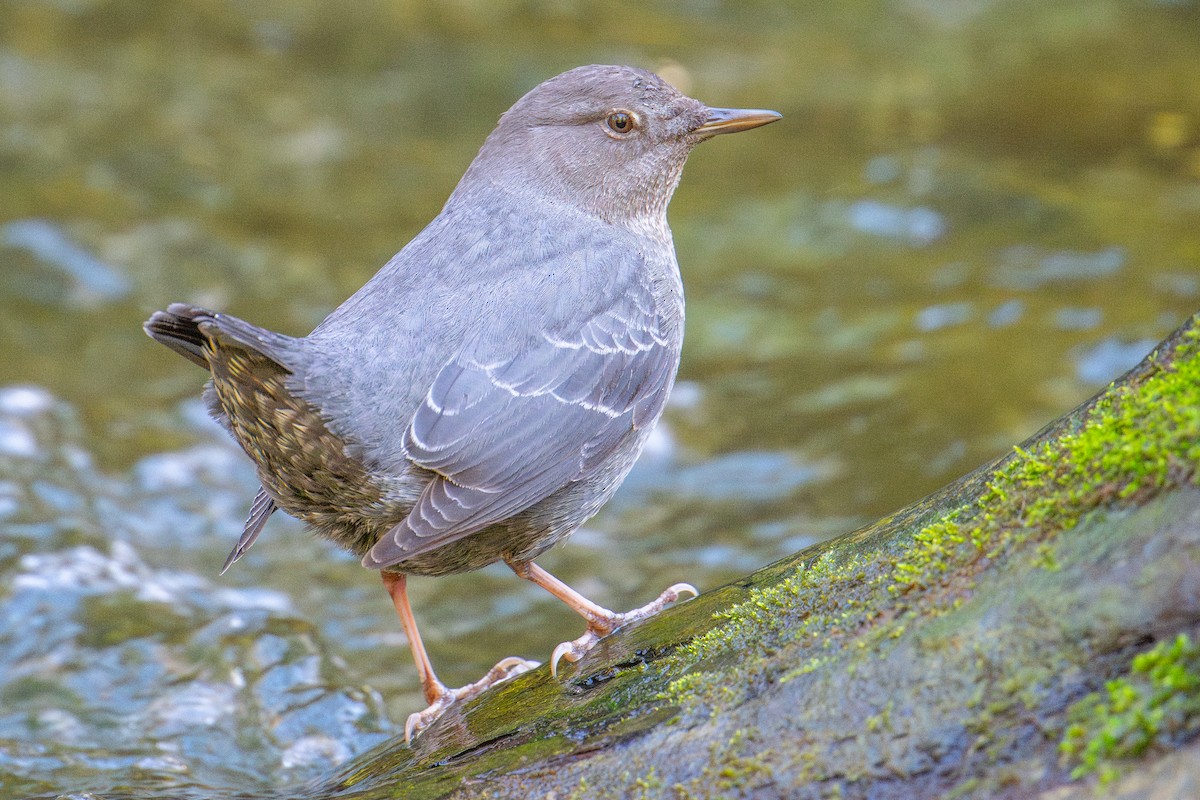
(944, 650)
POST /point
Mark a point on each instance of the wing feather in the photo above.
(505, 433)
(260, 511)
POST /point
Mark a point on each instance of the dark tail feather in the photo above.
(185, 328)
(179, 329)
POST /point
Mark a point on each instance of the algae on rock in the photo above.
(944, 651)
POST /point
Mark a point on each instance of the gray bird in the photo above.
(489, 388)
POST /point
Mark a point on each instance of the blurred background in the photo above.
(973, 216)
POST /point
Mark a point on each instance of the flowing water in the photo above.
(973, 215)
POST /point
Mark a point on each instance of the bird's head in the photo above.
(610, 140)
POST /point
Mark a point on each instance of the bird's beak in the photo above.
(732, 120)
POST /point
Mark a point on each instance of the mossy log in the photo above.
(1029, 629)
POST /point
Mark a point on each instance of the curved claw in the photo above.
(504, 670)
(420, 719)
(573, 651)
(677, 590)
(511, 667)
(600, 626)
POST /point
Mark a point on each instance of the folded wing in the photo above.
(501, 434)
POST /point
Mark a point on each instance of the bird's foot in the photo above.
(600, 625)
(509, 668)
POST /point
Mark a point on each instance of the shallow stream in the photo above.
(972, 217)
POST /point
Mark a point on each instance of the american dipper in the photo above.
(489, 388)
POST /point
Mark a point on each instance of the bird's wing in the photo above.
(503, 433)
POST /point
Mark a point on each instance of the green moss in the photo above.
(733, 768)
(581, 791)
(1136, 440)
(1141, 437)
(810, 590)
(819, 592)
(965, 789)
(647, 787)
(1158, 702)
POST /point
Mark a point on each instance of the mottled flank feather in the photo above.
(303, 467)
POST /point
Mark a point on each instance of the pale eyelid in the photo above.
(637, 123)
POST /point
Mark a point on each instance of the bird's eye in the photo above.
(620, 122)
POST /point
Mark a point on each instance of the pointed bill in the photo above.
(732, 120)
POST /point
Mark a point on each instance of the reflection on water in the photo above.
(972, 215)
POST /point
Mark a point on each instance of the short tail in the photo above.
(179, 329)
(186, 329)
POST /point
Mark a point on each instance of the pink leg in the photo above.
(436, 694)
(396, 586)
(600, 621)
